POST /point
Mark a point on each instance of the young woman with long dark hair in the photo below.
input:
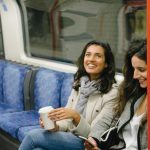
(132, 127)
(93, 97)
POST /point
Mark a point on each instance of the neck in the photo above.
(142, 107)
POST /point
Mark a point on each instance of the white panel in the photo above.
(13, 39)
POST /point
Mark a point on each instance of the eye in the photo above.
(98, 56)
(142, 69)
(87, 54)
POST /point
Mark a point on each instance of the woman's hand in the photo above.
(41, 122)
(64, 113)
(88, 145)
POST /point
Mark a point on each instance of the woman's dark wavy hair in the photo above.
(130, 87)
(107, 76)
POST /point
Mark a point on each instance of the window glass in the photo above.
(58, 29)
(1, 42)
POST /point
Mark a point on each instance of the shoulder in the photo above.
(113, 92)
(74, 93)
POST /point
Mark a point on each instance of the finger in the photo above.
(54, 113)
(61, 115)
(56, 110)
(92, 140)
(59, 118)
(41, 125)
(53, 117)
(87, 145)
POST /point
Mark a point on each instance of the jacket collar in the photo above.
(130, 107)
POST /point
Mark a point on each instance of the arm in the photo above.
(103, 117)
(65, 113)
(66, 116)
(106, 117)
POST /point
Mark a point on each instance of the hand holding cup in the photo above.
(45, 122)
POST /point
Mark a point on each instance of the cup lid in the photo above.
(45, 109)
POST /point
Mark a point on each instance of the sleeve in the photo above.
(64, 124)
(83, 128)
(102, 121)
(106, 116)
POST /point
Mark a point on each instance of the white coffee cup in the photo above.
(48, 124)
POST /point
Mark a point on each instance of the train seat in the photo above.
(2, 65)
(12, 78)
(48, 88)
(66, 86)
(11, 122)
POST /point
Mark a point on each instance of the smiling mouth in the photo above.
(91, 66)
(142, 81)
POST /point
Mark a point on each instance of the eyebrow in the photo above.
(95, 53)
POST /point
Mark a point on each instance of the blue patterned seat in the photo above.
(49, 88)
(2, 65)
(46, 90)
(66, 88)
(12, 122)
(11, 86)
(22, 132)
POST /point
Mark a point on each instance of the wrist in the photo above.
(76, 119)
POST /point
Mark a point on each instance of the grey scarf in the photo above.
(87, 88)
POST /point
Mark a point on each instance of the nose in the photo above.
(136, 74)
(91, 58)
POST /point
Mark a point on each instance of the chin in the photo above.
(143, 86)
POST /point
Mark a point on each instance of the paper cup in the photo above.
(48, 124)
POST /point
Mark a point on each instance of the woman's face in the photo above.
(140, 71)
(94, 61)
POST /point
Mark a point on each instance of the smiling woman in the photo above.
(94, 61)
(132, 107)
(93, 96)
(52, 34)
(140, 71)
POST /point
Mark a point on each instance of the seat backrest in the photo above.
(13, 84)
(2, 65)
(47, 88)
(66, 88)
(28, 86)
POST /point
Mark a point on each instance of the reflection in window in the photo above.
(131, 26)
(58, 29)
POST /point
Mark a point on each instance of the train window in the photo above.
(58, 29)
(1, 42)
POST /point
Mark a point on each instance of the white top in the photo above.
(130, 132)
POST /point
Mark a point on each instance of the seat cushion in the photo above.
(11, 122)
(23, 131)
(6, 108)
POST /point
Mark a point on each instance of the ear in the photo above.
(106, 65)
